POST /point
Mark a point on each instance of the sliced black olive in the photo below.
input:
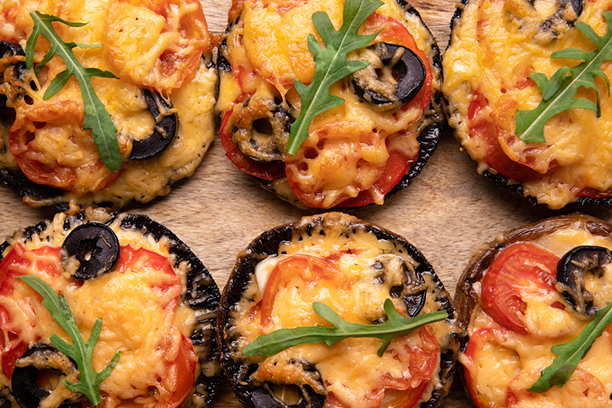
(29, 392)
(90, 250)
(393, 78)
(261, 129)
(166, 122)
(571, 271)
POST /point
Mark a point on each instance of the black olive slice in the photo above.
(164, 132)
(90, 250)
(29, 392)
(414, 290)
(261, 129)
(393, 78)
(571, 271)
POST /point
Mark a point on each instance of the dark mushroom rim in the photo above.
(433, 114)
(267, 244)
(510, 185)
(201, 295)
(15, 179)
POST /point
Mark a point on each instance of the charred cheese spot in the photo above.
(167, 59)
(493, 50)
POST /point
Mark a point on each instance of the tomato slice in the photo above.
(52, 148)
(156, 44)
(485, 132)
(308, 269)
(420, 360)
(517, 269)
(485, 345)
(396, 167)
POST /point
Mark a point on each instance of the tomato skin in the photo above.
(402, 392)
(516, 268)
(36, 127)
(310, 269)
(485, 132)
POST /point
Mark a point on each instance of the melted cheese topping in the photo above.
(356, 287)
(183, 78)
(139, 306)
(268, 50)
(506, 364)
(493, 49)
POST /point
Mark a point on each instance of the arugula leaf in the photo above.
(80, 350)
(331, 64)
(558, 93)
(570, 354)
(395, 326)
(97, 117)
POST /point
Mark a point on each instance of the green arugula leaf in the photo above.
(570, 354)
(395, 326)
(80, 350)
(331, 63)
(558, 93)
(97, 117)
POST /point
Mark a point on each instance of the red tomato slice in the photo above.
(405, 391)
(485, 132)
(520, 267)
(20, 261)
(265, 171)
(396, 167)
(34, 138)
(310, 269)
(477, 343)
(156, 44)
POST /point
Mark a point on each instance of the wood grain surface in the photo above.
(447, 213)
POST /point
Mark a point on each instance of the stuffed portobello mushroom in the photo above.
(117, 118)
(528, 96)
(373, 144)
(114, 304)
(364, 275)
(529, 301)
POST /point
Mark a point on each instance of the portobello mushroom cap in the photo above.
(432, 121)
(142, 155)
(200, 293)
(566, 13)
(469, 285)
(240, 294)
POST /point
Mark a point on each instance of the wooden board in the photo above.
(447, 212)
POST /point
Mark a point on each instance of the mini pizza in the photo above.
(151, 71)
(551, 146)
(524, 295)
(358, 153)
(152, 300)
(354, 268)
